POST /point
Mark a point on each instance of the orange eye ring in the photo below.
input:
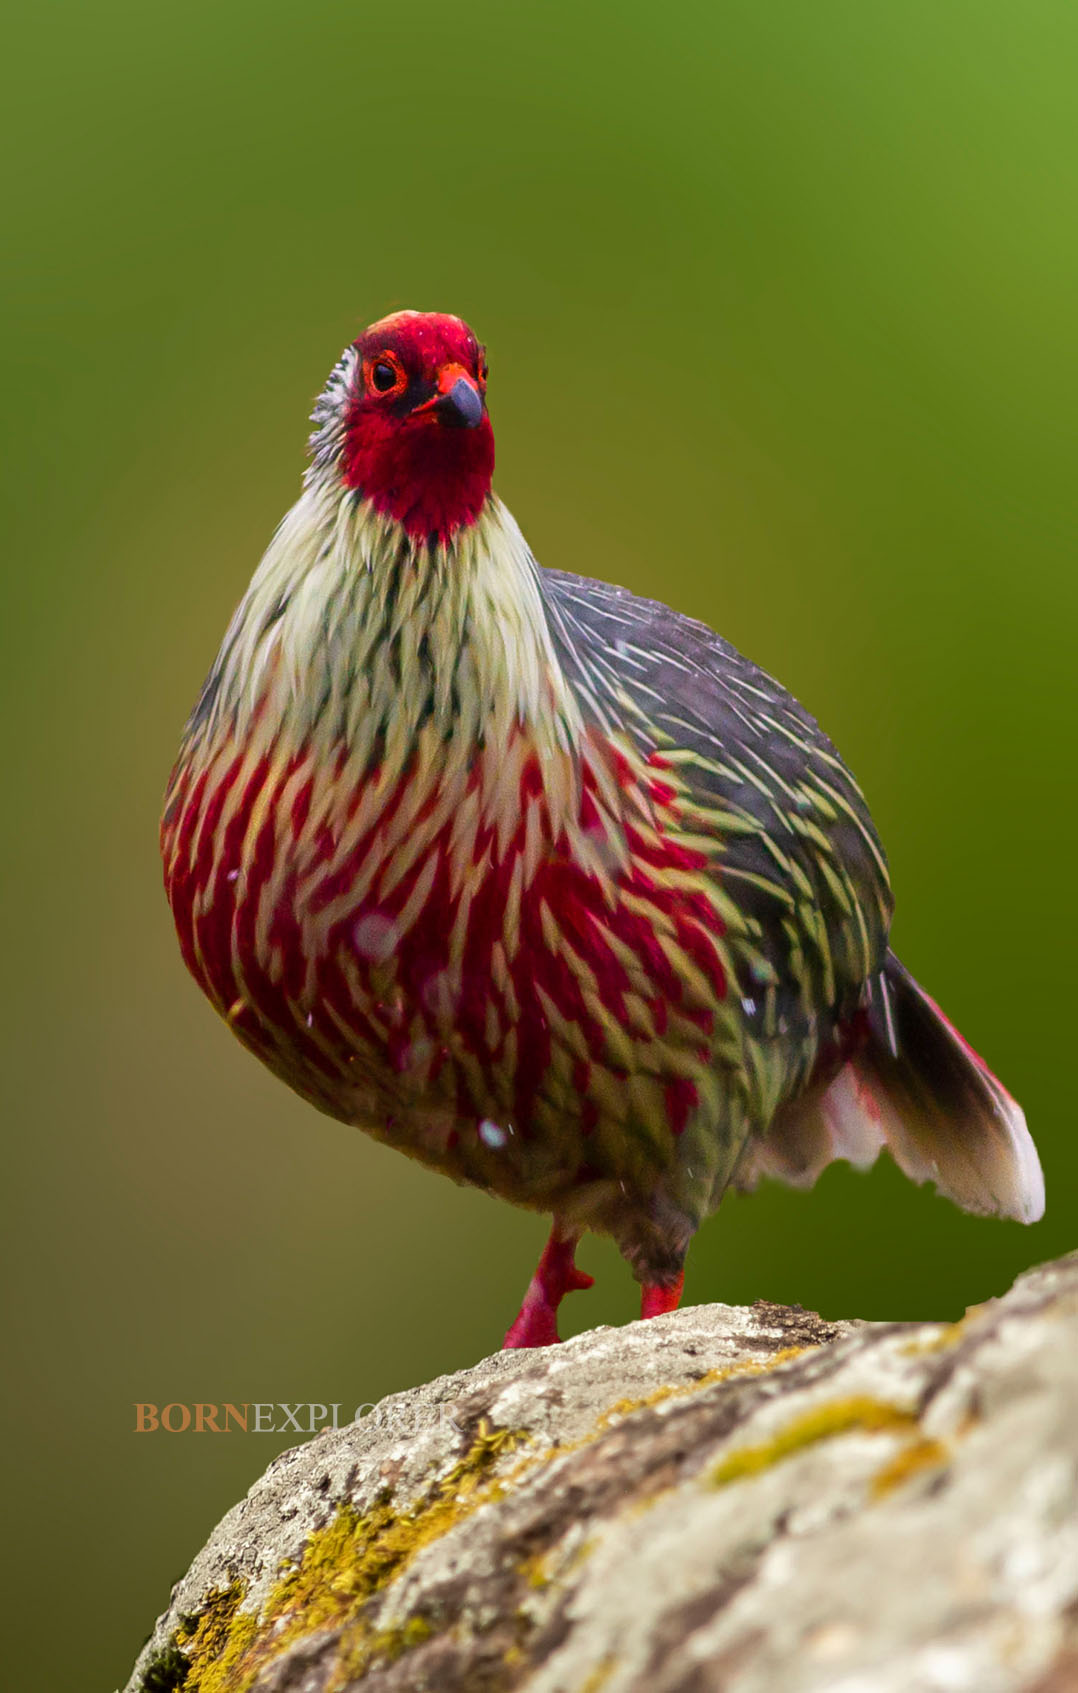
(384, 375)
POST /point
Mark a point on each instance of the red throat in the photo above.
(399, 452)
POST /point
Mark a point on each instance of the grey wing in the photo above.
(802, 874)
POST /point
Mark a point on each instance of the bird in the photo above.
(540, 882)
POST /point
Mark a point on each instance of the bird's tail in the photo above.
(919, 1090)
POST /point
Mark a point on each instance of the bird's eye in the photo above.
(384, 376)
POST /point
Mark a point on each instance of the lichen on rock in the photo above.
(748, 1500)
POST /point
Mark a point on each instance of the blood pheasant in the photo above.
(540, 882)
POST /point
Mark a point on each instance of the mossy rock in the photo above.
(752, 1500)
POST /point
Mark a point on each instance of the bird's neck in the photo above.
(384, 650)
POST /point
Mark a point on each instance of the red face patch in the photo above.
(418, 442)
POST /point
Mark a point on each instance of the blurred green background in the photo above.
(780, 300)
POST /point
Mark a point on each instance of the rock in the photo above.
(754, 1500)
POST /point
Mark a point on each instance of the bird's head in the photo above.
(410, 426)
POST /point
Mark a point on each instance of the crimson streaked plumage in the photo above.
(540, 882)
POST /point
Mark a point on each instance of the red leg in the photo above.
(557, 1275)
(655, 1300)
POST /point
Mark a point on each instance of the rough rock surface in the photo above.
(754, 1500)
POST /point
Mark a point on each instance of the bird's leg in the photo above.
(655, 1300)
(556, 1275)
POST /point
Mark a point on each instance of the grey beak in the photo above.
(462, 407)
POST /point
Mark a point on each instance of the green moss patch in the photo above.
(344, 1564)
(824, 1422)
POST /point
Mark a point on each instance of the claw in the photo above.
(556, 1275)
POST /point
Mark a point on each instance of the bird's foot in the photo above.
(655, 1300)
(537, 1321)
